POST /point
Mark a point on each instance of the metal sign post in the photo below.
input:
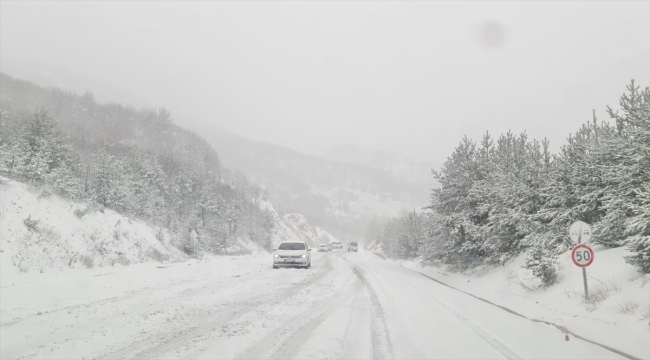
(584, 279)
(582, 255)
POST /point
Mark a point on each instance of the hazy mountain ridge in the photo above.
(249, 155)
(401, 166)
(332, 194)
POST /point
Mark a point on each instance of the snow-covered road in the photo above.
(347, 306)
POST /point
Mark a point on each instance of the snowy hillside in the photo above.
(40, 231)
(301, 229)
(280, 231)
(133, 161)
(323, 236)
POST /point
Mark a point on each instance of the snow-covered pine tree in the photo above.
(460, 212)
(628, 201)
(44, 146)
(13, 148)
(509, 195)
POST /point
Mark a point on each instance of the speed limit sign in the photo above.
(582, 255)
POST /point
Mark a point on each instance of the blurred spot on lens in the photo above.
(491, 34)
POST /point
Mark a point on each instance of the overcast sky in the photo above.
(408, 77)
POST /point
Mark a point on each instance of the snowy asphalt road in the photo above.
(347, 306)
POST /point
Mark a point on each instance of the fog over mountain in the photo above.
(401, 166)
(339, 195)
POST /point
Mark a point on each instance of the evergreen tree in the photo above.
(628, 200)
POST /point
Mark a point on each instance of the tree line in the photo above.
(134, 161)
(506, 195)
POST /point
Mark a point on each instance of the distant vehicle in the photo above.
(337, 245)
(292, 254)
(323, 247)
(353, 246)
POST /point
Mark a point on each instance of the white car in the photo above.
(294, 254)
(323, 247)
(337, 245)
(353, 246)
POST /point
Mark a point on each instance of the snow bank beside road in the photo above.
(40, 232)
(617, 316)
(298, 224)
(281, 231)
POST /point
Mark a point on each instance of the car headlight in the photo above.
(276, 256)
(303, 256)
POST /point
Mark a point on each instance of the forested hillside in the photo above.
(502, 196)
(134, 161)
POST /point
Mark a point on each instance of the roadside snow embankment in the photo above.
(300, 227)
(280, 231)
(616, 314)
(40, 232)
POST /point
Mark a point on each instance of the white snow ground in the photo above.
(347, 306)
(618, 316)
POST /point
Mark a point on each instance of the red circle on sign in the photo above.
(591, 254)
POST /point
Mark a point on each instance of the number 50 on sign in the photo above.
(582, 255)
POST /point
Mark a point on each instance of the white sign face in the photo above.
(580, 232)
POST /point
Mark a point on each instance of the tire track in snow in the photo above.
(358, 337)
(161, 344)
(494, 343)
(381, 343)
(297, 338)
(291, 340)
(53, 311)
(93, 321)
(126, 296)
